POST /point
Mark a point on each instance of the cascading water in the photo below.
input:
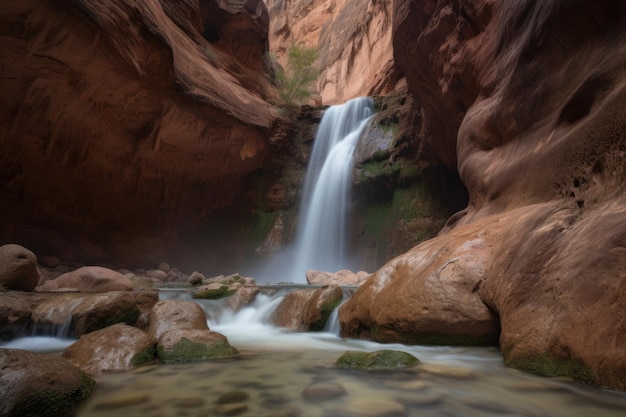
(321, 241)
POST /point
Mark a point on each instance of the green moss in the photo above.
(548, 365)
(187, 351)
(378, 360)
(327, 309)
(53, 402)
(143, 357)
(128, 316)
(213, 294)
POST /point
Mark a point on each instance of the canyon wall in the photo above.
(353, 40)
(128, 124)
(528, 100)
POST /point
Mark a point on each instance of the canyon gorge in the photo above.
(491, 209)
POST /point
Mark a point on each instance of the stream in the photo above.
(289, 374)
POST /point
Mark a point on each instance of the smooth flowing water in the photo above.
(289, 374)
(321, 237)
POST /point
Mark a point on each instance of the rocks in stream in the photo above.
(176, 314)
(307, 310)
(33, 384)
(343, 277)
(115, 348)
(378, 360)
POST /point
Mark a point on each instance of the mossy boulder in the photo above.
(378, 360)
(40, 385)
(215, 291)
(189, 345)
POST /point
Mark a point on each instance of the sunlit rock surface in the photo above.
(528, 100)
(122, 127)
(353, 40)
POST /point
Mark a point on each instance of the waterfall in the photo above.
(321, 238)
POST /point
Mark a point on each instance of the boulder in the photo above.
(377, 360)
(15, 312)
(33, 384)
(18, 268)
(215, 291)
(188, 345)
(343, 277)
(115, 348)
(243, 297)
(307, 310)
(88, 279)
(92, 312)
(175, 314)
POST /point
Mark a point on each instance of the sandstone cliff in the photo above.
(353, 39)
(528, 100)
(127, 122)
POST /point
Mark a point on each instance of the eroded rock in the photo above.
(304, 310)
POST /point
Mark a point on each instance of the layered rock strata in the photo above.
(528, 101)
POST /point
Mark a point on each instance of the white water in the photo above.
(321, 237)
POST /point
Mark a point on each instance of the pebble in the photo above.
(323, 391)
(233, 397)
(122, 401)
(230, 409)
(190, 402)
(372, 407)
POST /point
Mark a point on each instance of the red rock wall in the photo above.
(121, 125)
(528, 100)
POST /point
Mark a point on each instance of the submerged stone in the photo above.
(378, 360)
(190, 345)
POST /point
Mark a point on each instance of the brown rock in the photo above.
(88, 279)
(35, 384)
(15, 312)
(93, 312)
(304, 310)
(18, 268)
(175, 314)
(242, 298)
(113, 110)
(115, 348)
(540, 148)
(352, 38)
(187, 345)
(343, 277)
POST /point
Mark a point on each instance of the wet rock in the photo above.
(243, 297)
(378, 360)
(122, 401)
(176, 314)
(88, 279)
(39, 385)
(92, 312)
(446, 371)
(190, 402)
(18, 268)
(307, 310)
(231, 409)
(231, 397)
(343, 277)
(188, 345)
(115, 348)
(369, 407)
(195, 278)
(323, 392)
(215, 291)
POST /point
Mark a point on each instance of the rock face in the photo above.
(126, 125)
(18, 268)
(528, 100)
(36, 385)
(352, 38)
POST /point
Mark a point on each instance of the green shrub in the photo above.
(295, 81)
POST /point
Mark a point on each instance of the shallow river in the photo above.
(286, 374)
